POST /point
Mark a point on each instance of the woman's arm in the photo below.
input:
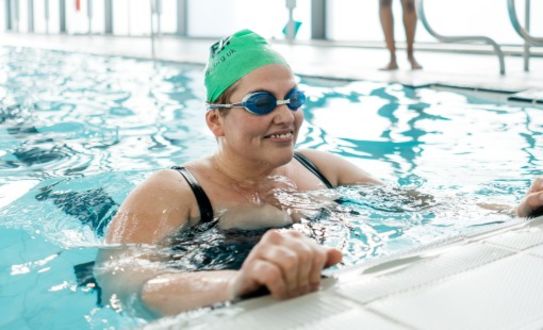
(156, 208)
(285, 262)
(137, 279)
(341, 172)
(532, 204)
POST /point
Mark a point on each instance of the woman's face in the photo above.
(268, 138)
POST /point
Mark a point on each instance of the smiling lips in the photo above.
(281, 136)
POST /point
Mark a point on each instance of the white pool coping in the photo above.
(491, 280)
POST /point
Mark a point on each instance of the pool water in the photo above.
(78, 132)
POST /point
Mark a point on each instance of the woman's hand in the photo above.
(532, 204)
(286, 262)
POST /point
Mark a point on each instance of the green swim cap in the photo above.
(235, 56)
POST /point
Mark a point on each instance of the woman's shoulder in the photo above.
(157, 206)
(337, 169)
(172, 179)
(166, 181)
(318, 156)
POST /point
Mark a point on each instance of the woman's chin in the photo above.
(282, 157)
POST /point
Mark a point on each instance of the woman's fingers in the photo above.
(333, 256)
(530, 203)
(300, 259)
(268, 274)
(533, 201)
(305, 253)
(287, 263)
(293, 254)
(256, 273)
(317, 264)
(275, 247)
(536, 186)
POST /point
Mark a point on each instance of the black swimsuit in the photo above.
(84, 272)
(206, 210)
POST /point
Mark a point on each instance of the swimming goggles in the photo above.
(262, 102)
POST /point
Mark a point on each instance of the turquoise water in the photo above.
(78, 132)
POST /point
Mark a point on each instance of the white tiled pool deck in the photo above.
(491, 280)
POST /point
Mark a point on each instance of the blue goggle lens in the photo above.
(262, 103)
(297, 99)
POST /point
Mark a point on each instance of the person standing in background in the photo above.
(410, 24)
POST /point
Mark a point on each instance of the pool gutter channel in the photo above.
(435, 286)
(513, 94)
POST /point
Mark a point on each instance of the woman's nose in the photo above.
(283, 114)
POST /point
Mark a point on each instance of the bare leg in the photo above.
(387, 23)
(410, 24)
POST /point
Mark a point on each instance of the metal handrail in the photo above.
(518, 28)
(452, 39)
(526, 48)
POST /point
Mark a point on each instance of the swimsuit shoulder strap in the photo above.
(312, 168)
(206, 210)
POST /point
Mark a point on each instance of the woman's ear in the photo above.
(215, 122)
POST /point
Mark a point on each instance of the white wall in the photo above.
(41, 25)
(131, 17)
(168, 22)
(211, 18)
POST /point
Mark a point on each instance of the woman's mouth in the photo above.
(286, 135)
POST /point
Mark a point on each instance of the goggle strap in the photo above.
(220, 106)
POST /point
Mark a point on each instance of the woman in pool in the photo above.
(254, 113)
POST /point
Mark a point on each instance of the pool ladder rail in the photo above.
(453, 39)
(524, 33)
